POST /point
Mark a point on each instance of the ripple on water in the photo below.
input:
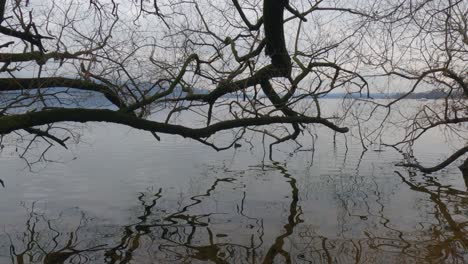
(173, 201)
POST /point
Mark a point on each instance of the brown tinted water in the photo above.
(122, 197)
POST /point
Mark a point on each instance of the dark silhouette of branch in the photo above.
(245, 19)
(18, 84)
(11, 123)
(440, 166)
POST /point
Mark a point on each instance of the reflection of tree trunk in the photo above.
(464, 170)
(293, 220)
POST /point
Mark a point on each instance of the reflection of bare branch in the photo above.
(457, 228)
(185, 234)
(61, 248)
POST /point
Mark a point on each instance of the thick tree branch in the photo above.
(11, 123)
(26, 36)
(39, 57)
(18, 84)
(442, 165)
(273, 12)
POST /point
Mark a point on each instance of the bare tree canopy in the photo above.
(425, 46)
(243, 66)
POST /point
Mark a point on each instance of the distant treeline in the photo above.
(434, 94)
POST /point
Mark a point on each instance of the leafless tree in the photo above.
(422, 46)
(235, 65)
(243, 66)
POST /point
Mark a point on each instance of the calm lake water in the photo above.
(122, 197)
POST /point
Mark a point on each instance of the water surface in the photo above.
(121, 197)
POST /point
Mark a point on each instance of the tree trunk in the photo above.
(273, 12)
